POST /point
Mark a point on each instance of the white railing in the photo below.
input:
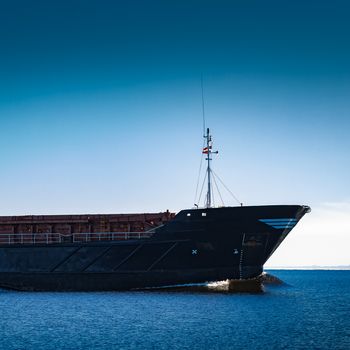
(51, 238)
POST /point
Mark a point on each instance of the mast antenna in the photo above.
(203, 109)
(209, 174)
(208, 151)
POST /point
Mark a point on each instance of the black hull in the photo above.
(117, 281)
(196, 246)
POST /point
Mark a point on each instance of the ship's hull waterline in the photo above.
(195, 246)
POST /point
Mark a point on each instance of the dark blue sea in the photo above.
(310, 311)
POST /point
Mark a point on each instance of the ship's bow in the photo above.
(270, 226)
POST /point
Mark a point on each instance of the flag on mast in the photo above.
(206, 150)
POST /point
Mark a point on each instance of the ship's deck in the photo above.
(53, 229)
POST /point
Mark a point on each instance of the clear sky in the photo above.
(100, 109)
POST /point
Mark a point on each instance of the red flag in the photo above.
(205, 150)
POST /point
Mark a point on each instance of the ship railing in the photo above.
(55, 237)
(109, 236)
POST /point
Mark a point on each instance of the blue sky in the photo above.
(100, 103)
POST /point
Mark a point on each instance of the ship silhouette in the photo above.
(132, 251)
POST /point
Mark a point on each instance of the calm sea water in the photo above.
(311, 312)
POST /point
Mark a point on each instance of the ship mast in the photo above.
(208, 150)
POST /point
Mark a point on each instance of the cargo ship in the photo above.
(137, 251)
